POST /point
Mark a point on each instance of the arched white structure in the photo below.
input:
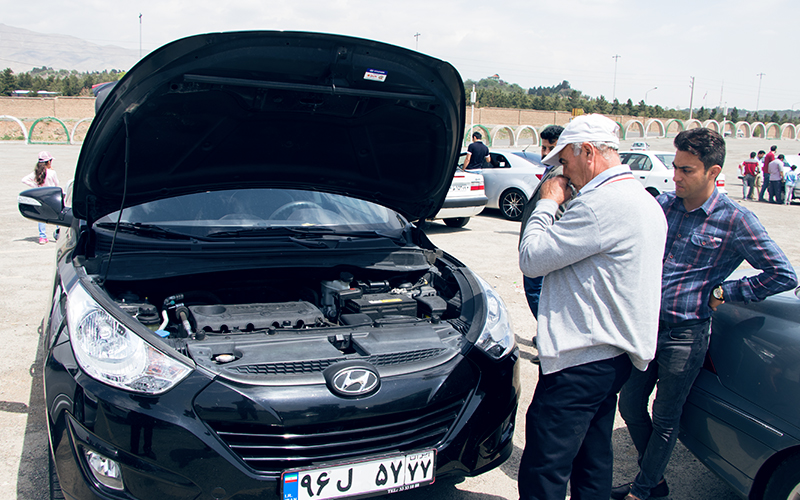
(773, 127)
(19, 122)
(632, 123)
(792, 131)
(522, 128)
(744, 127)
(75, 128)
(755, 127)
(681, 126)
(726, 126)
(691, 122)
(499, 128)
(662, 130)
(713, 125)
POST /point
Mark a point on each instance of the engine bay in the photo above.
(225, 320)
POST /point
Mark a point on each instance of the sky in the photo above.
(740, 53)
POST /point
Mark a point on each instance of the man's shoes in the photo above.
(43, 241)
(621, 491)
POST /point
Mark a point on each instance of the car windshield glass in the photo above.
(210, 212)
(535, 158)
(666, 159)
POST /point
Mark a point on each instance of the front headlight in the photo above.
(497, 338)
(113, 354)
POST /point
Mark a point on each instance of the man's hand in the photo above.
(556, 189)
(714, 303)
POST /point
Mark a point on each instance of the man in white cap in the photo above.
(598, 315)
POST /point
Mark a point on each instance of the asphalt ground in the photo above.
(487, 244)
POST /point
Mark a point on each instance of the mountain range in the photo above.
(22, 50)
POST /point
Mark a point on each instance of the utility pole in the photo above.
(473, 96)
(140, 35)
(416, 35)
(691, 99)
(616, 59)
(758, 97)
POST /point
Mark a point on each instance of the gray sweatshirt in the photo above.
(601, 264)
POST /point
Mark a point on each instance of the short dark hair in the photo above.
(762, 152)
(773, 148)
(551, 133)
(781, 157)
(704, 143)
(477, 135)
(753, 154)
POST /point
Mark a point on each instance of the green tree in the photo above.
(641, 108)
(615, 107)
(7, 82)
(601, 105)
(734, 115)
(775, 118)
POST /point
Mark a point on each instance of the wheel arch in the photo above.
(768, 468)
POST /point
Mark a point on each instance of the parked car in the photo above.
(640, 146)
(654, 170)
(794, 160)
(742, 417)
(466, 198)
(234, 315)
(510, 179)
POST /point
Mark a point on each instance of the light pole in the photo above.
(758, 97)
(614, 94)
(645, 95)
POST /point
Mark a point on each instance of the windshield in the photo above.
(205, 213)
(666, 159)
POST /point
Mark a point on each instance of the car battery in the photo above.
(379, 305)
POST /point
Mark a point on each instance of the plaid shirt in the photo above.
(706, 245)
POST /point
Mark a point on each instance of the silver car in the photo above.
(510, 179)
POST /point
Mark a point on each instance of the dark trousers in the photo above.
(679, 357)
(568, 432)
(775, 191)
(533, 290)
(764, 187)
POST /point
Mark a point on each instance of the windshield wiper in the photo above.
(143, 230)
(296, 233)
(271, 231)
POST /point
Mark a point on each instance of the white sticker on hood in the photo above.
(375, 75)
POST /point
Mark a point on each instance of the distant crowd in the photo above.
(767, 174)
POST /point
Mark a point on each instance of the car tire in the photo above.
(512, 204)
(55, 484)
(456, 221)
(785, 481)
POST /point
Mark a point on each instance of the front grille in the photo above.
(269, 448)
(297, 367)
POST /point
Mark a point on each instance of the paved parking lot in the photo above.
(487, 244)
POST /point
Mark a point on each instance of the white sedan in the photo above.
(654, 170)
(466, 198)
(510, 179)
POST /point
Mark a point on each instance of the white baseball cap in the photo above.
(584, 128)
(45, 156)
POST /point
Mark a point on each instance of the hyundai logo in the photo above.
(354, 381)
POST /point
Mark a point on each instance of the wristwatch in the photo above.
(717, 293)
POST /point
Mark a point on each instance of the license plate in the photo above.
(463, 187)
(387, 475)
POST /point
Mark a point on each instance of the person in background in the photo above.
(43, 175)
(709, 236)
(549, 136)
(598, 314)
(749, 169)
(775, 178)
(770, 157)
(477, 152)
(791, 182)
(760, 173)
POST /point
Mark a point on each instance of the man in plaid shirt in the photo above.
(709, 235)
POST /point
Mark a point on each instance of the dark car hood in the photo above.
(275, 109)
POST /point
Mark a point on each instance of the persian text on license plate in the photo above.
(390, 474)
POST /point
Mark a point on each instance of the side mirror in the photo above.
(45, 204)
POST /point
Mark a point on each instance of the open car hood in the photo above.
(275, 109)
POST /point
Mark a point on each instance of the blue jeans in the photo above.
(568, 432)
(679, 356)
(42, 230)
(533, 290)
